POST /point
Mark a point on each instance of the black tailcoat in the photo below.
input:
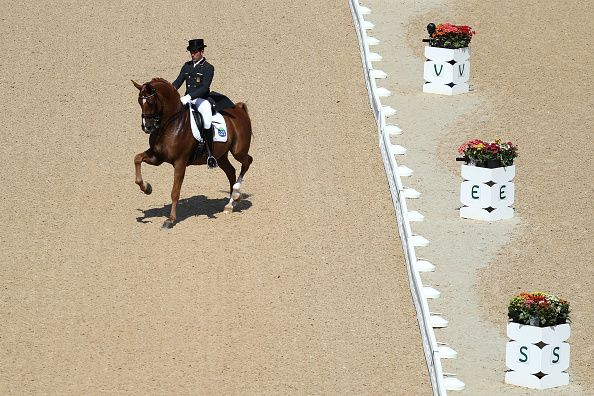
(197, 77)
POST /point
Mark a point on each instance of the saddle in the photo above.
(198, 118)
(218, 102)
(200, 144)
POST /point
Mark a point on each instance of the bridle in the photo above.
(155, 117)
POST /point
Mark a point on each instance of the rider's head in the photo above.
(197, 55)
(196, 48)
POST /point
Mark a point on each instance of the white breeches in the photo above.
(205, 110)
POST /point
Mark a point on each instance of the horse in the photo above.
(167, 122)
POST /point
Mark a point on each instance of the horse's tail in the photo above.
(243, 106)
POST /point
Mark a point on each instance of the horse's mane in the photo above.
(166, 83)
(159, 79)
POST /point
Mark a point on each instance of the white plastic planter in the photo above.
(487, 194)
(537, 356)
(447, 71)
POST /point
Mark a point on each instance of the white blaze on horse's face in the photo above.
(150, 117)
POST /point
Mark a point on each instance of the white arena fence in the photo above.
(420, 293)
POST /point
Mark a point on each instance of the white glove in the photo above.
(185, 99)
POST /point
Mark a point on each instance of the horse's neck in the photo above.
(171, 104)
(175, 123)
(172, 111)
(170, 99)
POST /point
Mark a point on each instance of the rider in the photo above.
(198, 74)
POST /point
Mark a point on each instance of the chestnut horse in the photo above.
(171, 140)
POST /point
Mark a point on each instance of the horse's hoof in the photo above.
(228, 210)
(168, 224)
(149, 189)
(236, 196)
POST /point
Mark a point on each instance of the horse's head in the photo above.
(151, 106)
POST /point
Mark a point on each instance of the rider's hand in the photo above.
(185, 99)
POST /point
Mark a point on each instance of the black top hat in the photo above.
(196, 45)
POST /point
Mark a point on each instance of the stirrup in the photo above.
(211, 162)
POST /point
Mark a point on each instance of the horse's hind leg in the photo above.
(148, 157)
(229, 170)
(246, 161)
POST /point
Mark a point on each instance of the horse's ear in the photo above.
(136, 85)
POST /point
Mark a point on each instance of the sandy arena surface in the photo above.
(302, 291)
(531, 84)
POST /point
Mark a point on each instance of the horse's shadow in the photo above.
(198, 205)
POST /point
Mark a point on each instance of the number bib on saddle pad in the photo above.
(218, 124)
(220, 128)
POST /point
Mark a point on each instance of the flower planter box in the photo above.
(487, 194)
(447, 71)
(537, 356)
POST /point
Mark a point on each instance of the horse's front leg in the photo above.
(148, 157)
(179, 171)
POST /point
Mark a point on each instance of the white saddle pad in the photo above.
(218, 122)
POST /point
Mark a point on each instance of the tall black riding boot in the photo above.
(211, 161)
